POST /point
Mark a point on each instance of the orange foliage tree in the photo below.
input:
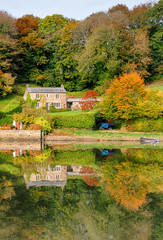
(91, 180)
(125, 186)
(121, 100)
(89, 100)
(27, 24)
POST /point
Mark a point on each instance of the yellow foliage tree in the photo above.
(121, 100)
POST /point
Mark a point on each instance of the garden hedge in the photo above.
(145, 125)
(75, 120)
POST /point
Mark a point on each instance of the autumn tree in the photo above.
(138, 16)
(125, 186)
(121, 100)
(6, 83)
(140, 54)
(8, 24)
(9, 49)
(89, 100)
(27, 24)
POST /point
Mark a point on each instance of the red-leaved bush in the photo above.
(89, 100)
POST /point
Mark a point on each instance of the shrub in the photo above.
(145, 125)
(6, 119)
(35, 127)
(52, 109)
(28, 115)
(76, 120)
(7, 127)
(43, 122)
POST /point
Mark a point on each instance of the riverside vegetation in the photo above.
(54, 50)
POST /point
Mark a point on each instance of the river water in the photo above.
(81, 193)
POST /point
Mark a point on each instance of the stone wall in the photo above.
(20, 145)
(24, 135)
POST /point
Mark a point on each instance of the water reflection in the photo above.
(81, 193)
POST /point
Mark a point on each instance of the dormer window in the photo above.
(57, 96)
(37, 96)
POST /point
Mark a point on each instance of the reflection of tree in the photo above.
(30, 159)
(6, 189)
(125, 186)
(80, 211)
(91, 179)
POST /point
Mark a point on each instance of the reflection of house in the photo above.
(56, 176)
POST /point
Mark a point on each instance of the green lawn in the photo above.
(78, 94)
(4, 102)
(160, 87)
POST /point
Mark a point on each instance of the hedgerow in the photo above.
(145, 125)
(76, 120)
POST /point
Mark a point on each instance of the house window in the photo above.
(57, 177)
(57, 96)
(37, 105)
(57, 169)
(37, 176)
(56, 105)
(37, 96)
(47, 95)
(47, 177)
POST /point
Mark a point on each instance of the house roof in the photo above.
(81, 99)
(74, 99)
(46, 90)
(46, 183)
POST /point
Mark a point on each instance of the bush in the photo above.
(43, 122)
(145, 125)
(35, 127)
(7, 127)
(5, 119)
(52, 109)
(76, 120)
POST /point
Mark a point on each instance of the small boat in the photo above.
(149, 140)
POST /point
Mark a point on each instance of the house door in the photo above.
(47, 106)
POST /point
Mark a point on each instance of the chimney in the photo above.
(62, 86)
(27, 86)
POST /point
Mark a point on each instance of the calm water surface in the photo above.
(81, 193)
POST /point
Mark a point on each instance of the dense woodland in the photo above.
(81, 54)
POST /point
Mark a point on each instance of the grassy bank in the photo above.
(111, 135)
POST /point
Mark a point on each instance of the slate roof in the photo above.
(45, 90)
(80, 99)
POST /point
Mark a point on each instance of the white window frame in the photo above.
(57, 177)
(57, 96)
(47, 95)
(47, 177)
(37, 96)
(37, 105)
(56, 104)
(37, 177)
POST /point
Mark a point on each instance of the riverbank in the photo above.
(98, 136)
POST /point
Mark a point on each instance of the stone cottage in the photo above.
(47, 96)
